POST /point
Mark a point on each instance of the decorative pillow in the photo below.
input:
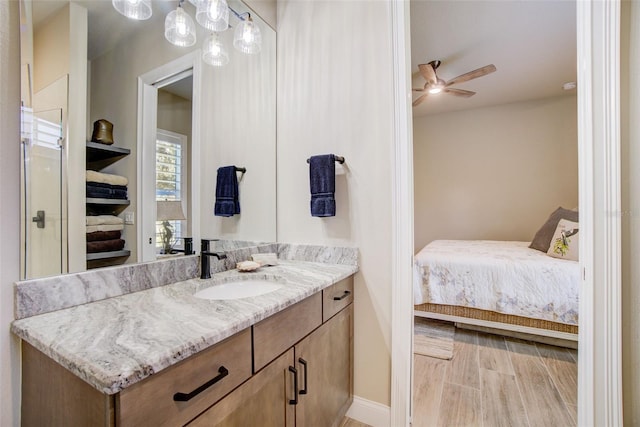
(565, 241)
(542, 240)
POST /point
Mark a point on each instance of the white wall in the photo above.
(239, 128)
(335, 96)
(630, 156)
(494, 173)
(9, 208)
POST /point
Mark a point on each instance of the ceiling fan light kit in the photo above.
(435, 85)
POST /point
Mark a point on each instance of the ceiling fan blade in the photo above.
(459, 92)
(487, 69)
(420, 99)
(428, 73)
(424, 88)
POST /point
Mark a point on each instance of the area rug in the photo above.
(433, 338)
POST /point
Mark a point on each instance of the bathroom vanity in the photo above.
(164, 357)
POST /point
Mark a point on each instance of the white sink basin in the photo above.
(241, 289)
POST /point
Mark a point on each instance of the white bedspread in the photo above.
(506, 277)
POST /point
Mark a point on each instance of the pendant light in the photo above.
(179, 28)
(214, 52)
(133, 9)
(247, 37)
(213, 14)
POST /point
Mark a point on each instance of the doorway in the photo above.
(599, 127)
(170, 100)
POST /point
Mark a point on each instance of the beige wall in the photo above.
(494, 173)
(267, 9)
(335, 96)
(174, 113)
(9, 208)
(51, 49)
(630, 156)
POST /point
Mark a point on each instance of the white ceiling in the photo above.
(532, 43)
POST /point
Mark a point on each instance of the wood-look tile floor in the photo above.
(496, 381)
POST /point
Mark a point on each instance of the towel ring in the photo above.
(338, 159)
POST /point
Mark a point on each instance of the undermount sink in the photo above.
(240, 289)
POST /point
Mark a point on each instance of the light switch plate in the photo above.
(129, 218)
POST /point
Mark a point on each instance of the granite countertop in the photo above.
(114, 343)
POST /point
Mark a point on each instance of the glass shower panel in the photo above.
(44, 234)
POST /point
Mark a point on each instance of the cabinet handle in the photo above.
(344, 295)
(294, 371)
(304, 364)
(184, 397)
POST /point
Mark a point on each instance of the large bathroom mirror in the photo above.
(83, 61)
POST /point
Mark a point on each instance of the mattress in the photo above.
(501, 276)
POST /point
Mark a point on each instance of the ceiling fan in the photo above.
(434, 84)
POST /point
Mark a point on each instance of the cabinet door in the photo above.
(324, 361)
(264, 400)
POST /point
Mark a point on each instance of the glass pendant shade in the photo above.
(179, 28)
(133, 9)
(213, 14)
(214, 52)
(247, 37)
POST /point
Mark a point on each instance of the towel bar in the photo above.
(339, 159)
(243, 170)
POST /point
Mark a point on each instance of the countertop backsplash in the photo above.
(44, 295)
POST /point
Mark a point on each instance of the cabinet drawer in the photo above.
(151, 401)
(336, 297)
(274, 335)
(264, 400)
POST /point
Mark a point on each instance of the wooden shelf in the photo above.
(98, 201)
(106, 255)
(97, 206)
(100, 156)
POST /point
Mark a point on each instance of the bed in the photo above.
(499, 285)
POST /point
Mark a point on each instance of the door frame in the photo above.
(600, 343)
(147, 125)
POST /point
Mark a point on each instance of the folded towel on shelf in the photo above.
(97, 236)
(322, 180)
(98, 192)
(105, 246)
(106, 191)
(103, 219)
(227, 195)
(106, 178)
(109, 186)
(105, 227)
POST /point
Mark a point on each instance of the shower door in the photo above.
(44, 228)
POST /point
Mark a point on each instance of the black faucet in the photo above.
(205, 268)
(188, 247)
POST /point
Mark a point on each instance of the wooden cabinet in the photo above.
(290, 369)
(324, 361)
(177, 394)
(281, 331)
(267, 400)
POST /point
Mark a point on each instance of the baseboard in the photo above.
(372, 413)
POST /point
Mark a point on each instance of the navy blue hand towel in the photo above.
(322, 179)
(227, 202)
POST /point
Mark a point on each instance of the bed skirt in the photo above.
(474, 313)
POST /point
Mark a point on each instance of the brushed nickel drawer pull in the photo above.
(346, 294)
(184, 397)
